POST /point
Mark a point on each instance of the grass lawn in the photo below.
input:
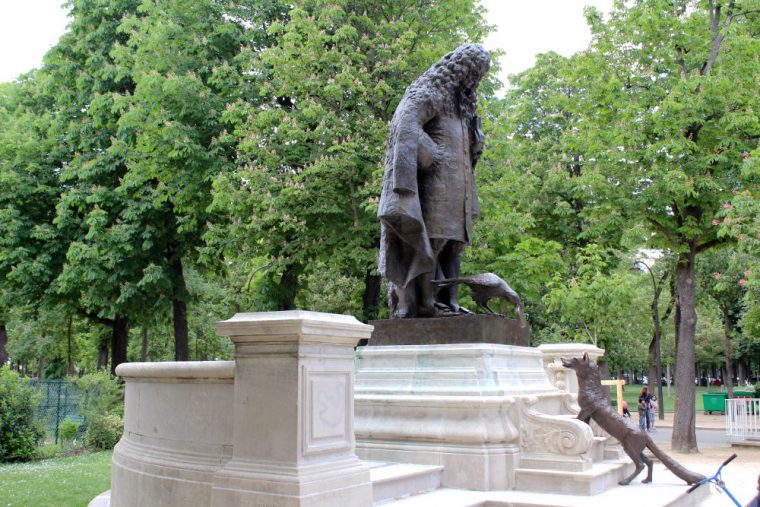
(58, 482)
(631, 395)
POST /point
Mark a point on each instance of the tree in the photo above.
(594, 307)
(31, 250)
(554, 139)
(740, 220)
(665, 269)
(102, 266)
(308, 189)
(679, 78)
(722, 276)
(184, 58)
(508, 238)
(542, 200)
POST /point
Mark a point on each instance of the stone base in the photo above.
(479, 410)
(450, 330)
(177, 432)
(475, 467)
(318, 485)
(601, 477)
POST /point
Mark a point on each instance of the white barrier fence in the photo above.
(743, 419)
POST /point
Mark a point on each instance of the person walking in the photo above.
(643, 408)
(652, 411)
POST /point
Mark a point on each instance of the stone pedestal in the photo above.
(293, 440)
(450, 330)
(482, 411)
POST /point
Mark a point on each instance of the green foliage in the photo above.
(102, 406)
(103, 432)
(594, 306)
(101, 394)
(710, 334)
(20, 432)
(672, 102)
(47, 451)
(740, 220)
(68, 430)
(330, 293)
(30, 248)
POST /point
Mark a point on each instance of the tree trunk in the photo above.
(103, 353)
(684, 438)
(652, 370)
(119, 340)
(727, 352)
(742, 371)
(144, 344)
(181, 342)
(3, 344)
(677, 330)
(179, 309)
(288, 288)
(70, 370)
(371, 296)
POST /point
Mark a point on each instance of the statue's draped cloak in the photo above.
(428, 187)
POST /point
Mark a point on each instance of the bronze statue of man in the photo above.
(429, 200)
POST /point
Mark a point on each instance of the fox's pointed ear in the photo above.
(585, 357)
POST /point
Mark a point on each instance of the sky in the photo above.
(28, 28)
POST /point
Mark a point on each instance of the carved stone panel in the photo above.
(326, 412)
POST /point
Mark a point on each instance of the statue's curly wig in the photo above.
(451, 82)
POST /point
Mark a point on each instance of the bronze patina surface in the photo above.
(595, 404)
(449, 330)
(429, 200)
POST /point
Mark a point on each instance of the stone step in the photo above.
(391, 481)
(600, 477)
(670, 494)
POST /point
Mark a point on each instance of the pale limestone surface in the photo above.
(293, 440)
(273, 428)
(487, 413)
(177, 432)
(276, 427)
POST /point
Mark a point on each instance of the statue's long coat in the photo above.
(428, 186)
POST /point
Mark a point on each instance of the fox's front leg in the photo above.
(585, 415)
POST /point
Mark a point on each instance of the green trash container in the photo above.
(714, 402)
(740, 393)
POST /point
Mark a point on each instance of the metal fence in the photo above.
(60, 402)
(743, 419)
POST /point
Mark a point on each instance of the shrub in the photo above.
(68, 430)
(47, 451)
(20, 432)
(103, 431)
(101, 406)
(101, 394)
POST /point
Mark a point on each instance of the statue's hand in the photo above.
(427, 152)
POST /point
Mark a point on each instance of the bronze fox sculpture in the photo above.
(595, 405)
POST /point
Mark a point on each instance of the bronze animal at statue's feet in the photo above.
(594, 405)
(484, 287)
